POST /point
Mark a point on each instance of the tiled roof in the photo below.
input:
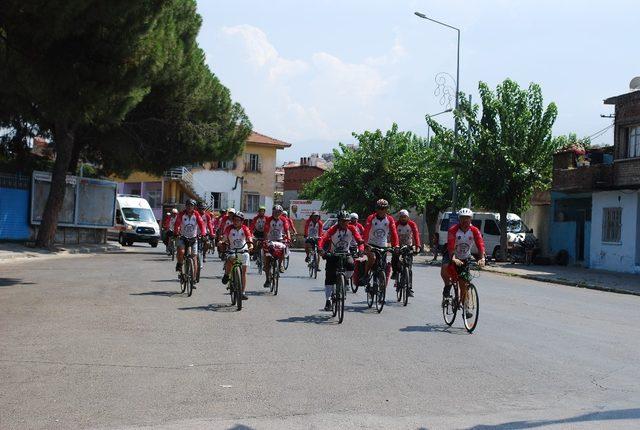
(261, 139)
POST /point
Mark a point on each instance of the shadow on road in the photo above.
(309, 319)
(213, 307)
(166, 280)
(258, 293)
(617, 414)
(240, 427)
(154, 259)
(429, 328)
(8, 282)
(157, 293)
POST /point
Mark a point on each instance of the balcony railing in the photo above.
(583, 179)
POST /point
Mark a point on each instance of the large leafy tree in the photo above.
(119, 81)
(387, 165)
(508, 149)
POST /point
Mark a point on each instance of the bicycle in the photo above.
(258, 256)
(171, 247)
(235, 278)
(313, 260)
(376, 292)
(338, 296)
(187, 280)
(405, 277)
(274, 268)
(450, 305)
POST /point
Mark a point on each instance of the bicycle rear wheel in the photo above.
(382, 290)
(450, 307)
(341, 291)
(315, 264)
(471, 306)
(285, 263)
(183, 282)
(237, 287)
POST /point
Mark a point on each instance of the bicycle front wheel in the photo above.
(471, 309)
(450, 307)
(405, 286)
(285, 264)
(341, 291)
(382, 290)
(189, 276)
(237, 287)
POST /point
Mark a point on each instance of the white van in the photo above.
(489, 225)
(134, 222)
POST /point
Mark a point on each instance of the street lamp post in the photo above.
(431, 116)
(455, 125)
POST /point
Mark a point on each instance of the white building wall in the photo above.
(623, 256)
(219, 181)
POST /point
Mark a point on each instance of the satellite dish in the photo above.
(635, 83)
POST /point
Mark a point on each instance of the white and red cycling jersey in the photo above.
(207, 217)
(313, 230)
(258, 223)
(276, 229)
(378, 232)
(238, 238)
(340, 240)
(459, 242)
(408, 234)
(189, 226)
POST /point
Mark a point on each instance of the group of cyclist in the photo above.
(271, 236)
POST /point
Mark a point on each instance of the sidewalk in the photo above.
(17, 252)
(624, 283)
(615, 282)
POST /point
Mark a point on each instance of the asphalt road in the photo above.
(106, 342)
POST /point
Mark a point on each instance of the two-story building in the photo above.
(595, 214)
(244, 183)
(297, 175)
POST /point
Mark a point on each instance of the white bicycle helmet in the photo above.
(231, 210)
(354, 216)
(174, 211)
(465, 212)
(404, 212)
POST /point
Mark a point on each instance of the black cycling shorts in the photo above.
(332, 266)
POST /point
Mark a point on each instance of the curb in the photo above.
(28, 254)
(567, 283)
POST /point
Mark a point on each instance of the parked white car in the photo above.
(489, 225)
(134, 222)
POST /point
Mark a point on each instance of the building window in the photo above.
(227, 165)
(252, 163)
(252, 202)
(216, 201)
(611, 224)
(154, 198)
(634, 142)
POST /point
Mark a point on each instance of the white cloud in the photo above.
(261, 53)
(329, 97)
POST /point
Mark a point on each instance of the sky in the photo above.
(313, 72)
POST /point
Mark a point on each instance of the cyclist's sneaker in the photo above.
(245, 297)
(266, 284)
(469, 315)
(318, 269)
(307, 259)
(327, 305)
(193, 287)
(380, 299)
(225, 279)
(410, 292)
(178, 267)
(281, 268)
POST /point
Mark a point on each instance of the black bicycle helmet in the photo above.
(342, 215)
(190, 202)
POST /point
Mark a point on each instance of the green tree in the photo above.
(508, 150)
(439, 173)
(386, 165)
(121, 82)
